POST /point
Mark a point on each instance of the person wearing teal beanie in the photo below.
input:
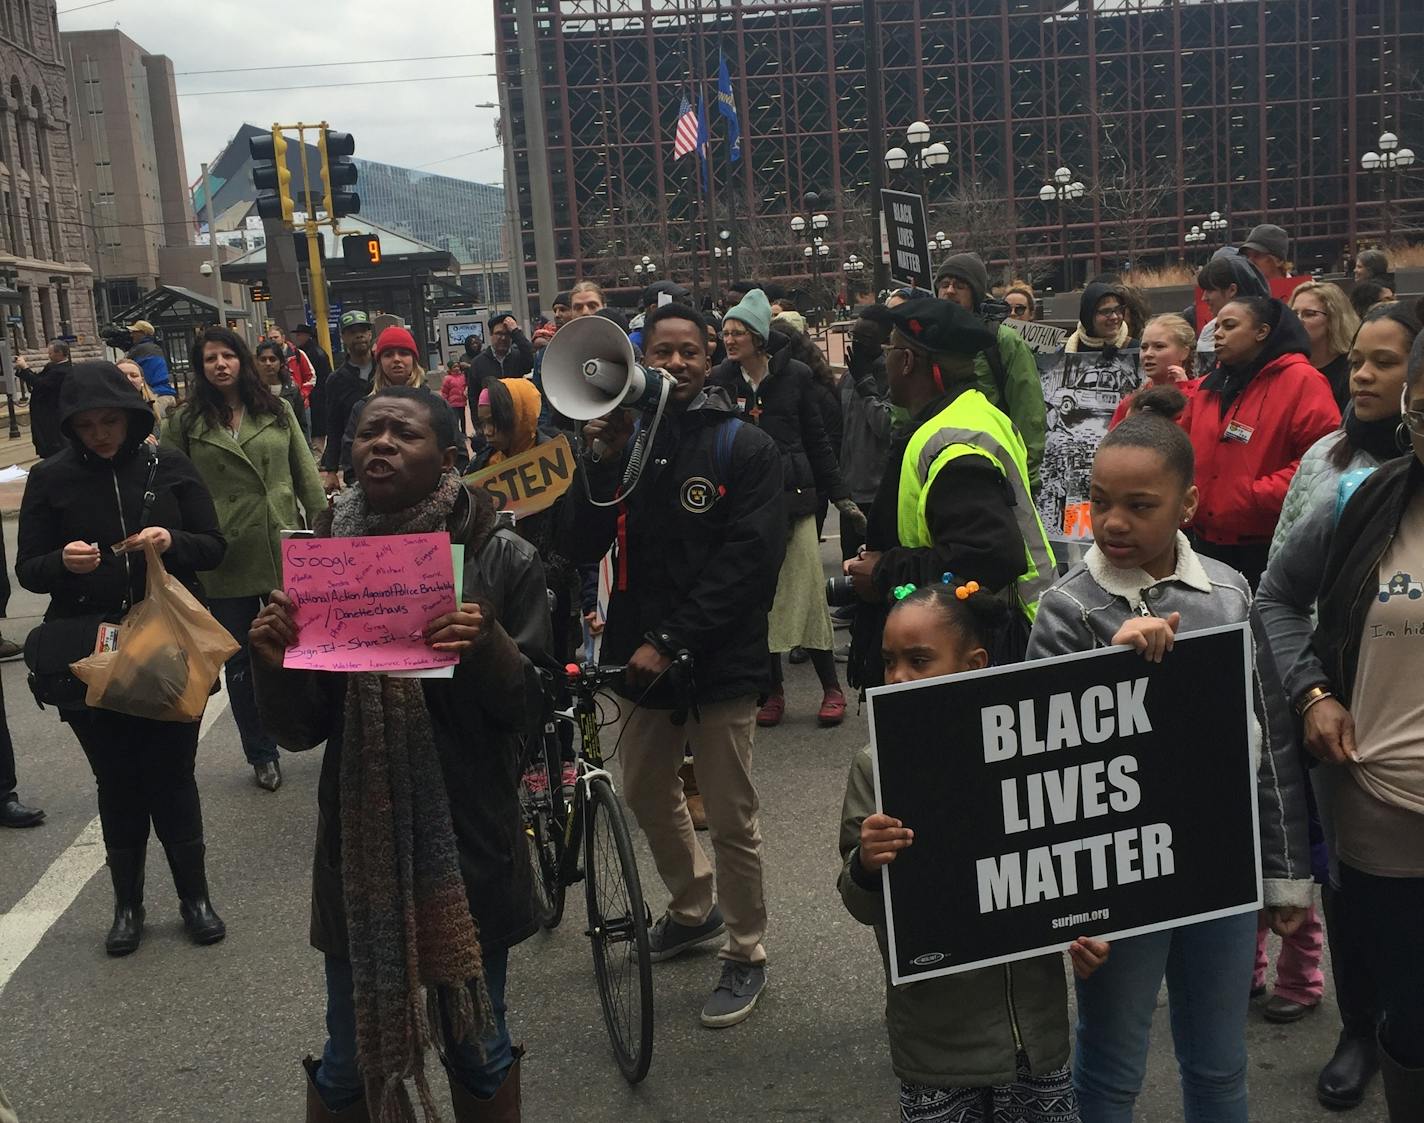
(774, 391)
(754, 311)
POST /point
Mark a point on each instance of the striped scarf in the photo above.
(414, 948)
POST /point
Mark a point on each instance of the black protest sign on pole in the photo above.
(907, 230)
(1088, 795)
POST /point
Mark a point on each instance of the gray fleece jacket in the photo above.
(1085, 609)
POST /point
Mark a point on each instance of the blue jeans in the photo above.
(236, 615)
(339, 1078)
(1208, 970)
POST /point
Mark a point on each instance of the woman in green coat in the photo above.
(249, 449)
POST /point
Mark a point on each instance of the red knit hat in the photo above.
(396, 336)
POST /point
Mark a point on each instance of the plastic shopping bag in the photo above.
(169, 653)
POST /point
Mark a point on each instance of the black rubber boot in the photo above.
(126, 872)
(1403, 1087)
(1343, 1080)
(186, 860)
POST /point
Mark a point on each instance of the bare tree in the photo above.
(1132, 196)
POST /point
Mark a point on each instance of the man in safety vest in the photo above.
(954, 498)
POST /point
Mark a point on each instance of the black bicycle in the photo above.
(581, 833)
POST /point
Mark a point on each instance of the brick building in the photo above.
(1167, 110)
(42, 225)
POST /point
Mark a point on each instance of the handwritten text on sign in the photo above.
(531, 481)
(362, 604)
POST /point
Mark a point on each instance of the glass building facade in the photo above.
(457, 215)
(1167, 110)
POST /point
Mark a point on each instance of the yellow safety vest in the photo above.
(971, 426)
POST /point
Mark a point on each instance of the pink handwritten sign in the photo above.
(362, 603)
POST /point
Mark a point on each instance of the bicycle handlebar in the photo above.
(590, 678)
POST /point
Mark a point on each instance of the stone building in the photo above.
(49, 289)
(128, 156)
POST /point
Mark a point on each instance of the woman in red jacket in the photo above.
(1250, 421)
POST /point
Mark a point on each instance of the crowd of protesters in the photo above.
(1265, 472)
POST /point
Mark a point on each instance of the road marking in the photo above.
(24, 926)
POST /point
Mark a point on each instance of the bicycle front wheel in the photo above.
(618, 931)
(544, 812)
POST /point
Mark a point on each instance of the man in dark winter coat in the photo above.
(304, 336)
(403, 456)
(699, 541)
(348, 384)
(509, 354)
(44, 397)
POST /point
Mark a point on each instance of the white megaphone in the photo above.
(589, 370)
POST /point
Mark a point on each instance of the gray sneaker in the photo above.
(668, 938)
(737, 992)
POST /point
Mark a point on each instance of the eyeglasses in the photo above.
(735, 334)
(1114, 313)
(1309, 313)
(1017, 309)
(1414, 421)
(890, 348)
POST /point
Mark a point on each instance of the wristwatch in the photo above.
(1310, 697)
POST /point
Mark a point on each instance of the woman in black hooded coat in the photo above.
(79, 504)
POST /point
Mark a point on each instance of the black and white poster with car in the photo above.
(1080, 392)
(1087, 795)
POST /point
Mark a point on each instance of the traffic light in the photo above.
(271, 176)
(338, 174)
(361, 251)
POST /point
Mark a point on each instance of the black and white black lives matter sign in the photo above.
(1089, 795)
(907, 231)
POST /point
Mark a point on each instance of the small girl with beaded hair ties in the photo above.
(981, 1045)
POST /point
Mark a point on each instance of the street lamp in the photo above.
(924, 155)
(1388, 161)
(1213, 223)
(1064, 189)
(1194, 237)
(646, 268)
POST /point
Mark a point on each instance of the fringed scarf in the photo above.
(414, 948)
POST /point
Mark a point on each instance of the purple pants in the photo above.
(1298, 975)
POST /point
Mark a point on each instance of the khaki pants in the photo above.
(651, 754)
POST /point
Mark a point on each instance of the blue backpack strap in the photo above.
(1349, 484)
(722, 454)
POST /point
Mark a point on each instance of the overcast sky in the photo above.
(432, 125)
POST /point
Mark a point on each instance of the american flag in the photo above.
(685, 140)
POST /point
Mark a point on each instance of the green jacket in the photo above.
(954, 1031)
(1024, 390)
(256, 482)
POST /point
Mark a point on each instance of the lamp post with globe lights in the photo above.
(1389, 161)
(1215, 224)
(925, 155)
(1064, 189)
(818, 251)
(1194, 237)
(646, 268)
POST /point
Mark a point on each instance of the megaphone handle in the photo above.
(597, 450)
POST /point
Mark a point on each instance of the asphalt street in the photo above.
(216, 1035)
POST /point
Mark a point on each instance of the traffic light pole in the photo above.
(221, 319)
(316, 267)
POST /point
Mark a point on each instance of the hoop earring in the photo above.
(1401, 438)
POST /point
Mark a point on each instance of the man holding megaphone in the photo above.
(698, 543)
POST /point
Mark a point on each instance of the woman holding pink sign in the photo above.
(419, 829)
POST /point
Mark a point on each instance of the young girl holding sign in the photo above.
(1139, 583)
(980, 1045)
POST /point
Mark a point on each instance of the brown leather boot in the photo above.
(693, 795)
(502, 1107)
(318, 1112)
